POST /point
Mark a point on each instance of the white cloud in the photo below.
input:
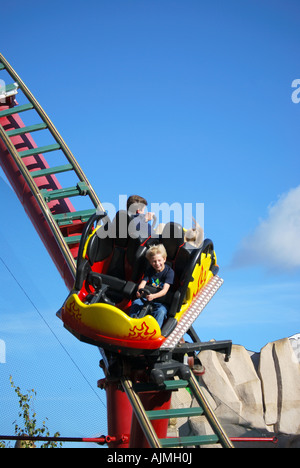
(275, 243)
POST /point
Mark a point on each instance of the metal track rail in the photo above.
(65, 223)
(52, 129)
(193, 312)
(42, 204)
(145, 417)
(210, 415)
(140, 413)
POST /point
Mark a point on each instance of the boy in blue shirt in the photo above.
(158, 275)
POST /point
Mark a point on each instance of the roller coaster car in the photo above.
(110, 266)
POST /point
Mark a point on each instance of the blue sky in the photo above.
(179, 101)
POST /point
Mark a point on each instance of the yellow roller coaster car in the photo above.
(110, 266)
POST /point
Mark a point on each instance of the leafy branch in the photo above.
(29, 422)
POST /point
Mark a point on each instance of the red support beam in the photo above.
(98, 440)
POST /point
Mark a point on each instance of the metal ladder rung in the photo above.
(68, 218)
(50, 195)
(10, 87)
(175, 384)
(81, 189)
(40, 150)
(29, 129)
(189, 440)
(72, 239)
(175, 413)
(8, 90)
(52, 170)
(168, 385)
(16, 110)
(204, 408)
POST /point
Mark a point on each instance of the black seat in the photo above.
(128, 259)
(172, 238)
(90, 251)
(183, 259)
(114, 262)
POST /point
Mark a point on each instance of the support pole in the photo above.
(119, 413)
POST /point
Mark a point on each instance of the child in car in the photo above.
(158, 275)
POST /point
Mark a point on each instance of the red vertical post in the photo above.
(119, 414)
(151, 401)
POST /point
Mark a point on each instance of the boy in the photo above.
(135, 207)
(158, 275)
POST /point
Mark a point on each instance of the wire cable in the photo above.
(53, 333)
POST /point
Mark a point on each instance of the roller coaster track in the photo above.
(60, 227)
(145, 417)
(31, 176)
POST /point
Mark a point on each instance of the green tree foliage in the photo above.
(27, 424)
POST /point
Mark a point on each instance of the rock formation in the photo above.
(253, 395)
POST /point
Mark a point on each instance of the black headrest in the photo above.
(99, 248)
(172, 238)
(118, 229)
